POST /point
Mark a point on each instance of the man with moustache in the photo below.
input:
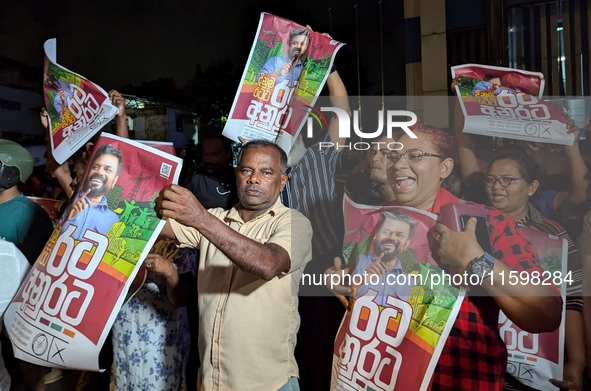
(251, 262)
(288, 68)
(392, 238)
(90, 211)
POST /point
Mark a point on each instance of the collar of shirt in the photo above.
(233, 213)
(444, 197)
(397, 267)
(299, 63)
(103, 204)
(532, 215)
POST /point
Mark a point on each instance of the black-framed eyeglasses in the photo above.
(411, 156)
(504, 181)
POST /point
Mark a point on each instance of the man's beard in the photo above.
(391, 254)
(96, 191)
(293, 53)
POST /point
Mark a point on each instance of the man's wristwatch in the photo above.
(482, 266)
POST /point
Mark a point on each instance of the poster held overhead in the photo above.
(505, 102)
(77, 108)
(284, 75)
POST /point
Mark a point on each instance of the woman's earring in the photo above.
(529, 194)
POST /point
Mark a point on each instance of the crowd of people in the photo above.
(227, 311)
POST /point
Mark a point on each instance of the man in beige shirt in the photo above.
(250, 266)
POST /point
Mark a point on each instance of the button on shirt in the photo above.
(394, 282)
(98, 218)
(248, 326)
(275, 63)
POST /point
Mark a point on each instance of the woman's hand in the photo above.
(157, 264)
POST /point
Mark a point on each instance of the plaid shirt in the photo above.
(474, 356)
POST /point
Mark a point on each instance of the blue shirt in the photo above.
(398, 284)
(57, 100)
(98, 218)
(545, 202)
(275, 63)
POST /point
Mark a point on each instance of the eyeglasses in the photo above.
(411, 156)
(373, 152)
(504, 181)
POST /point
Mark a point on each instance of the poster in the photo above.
(533, 359)
(52, 207)
(286, 70)
(77, 108)
(65, 307)
(392, 337)
(504, 102)
(164, 146)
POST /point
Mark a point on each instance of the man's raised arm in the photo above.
(339, 99)
(264, 261)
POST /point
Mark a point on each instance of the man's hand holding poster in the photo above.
(77, 107)
(286, 70)
(402, 310)
(65, 308)
(504, 102)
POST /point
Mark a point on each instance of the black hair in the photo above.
(265, 144)
(394, 215)
(490, 76)
(109, 149)
(226, 142)
(300, 31)
(527, 166)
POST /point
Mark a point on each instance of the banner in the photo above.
(77, 108)
(504, 102)
(392, 337)
(52, 207)
(65, 307)
(533, 359)
(286, 70)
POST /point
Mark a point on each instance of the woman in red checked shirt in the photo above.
(474, 356)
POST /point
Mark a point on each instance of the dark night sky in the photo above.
(133, 41)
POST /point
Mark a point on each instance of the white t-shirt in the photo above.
(13, 269)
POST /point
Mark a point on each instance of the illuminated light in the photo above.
(140, 105)
(559, 28)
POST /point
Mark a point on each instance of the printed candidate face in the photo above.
(102, 175)
(391, 239)
(495, 81)
(259, 179)
(298, 46)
